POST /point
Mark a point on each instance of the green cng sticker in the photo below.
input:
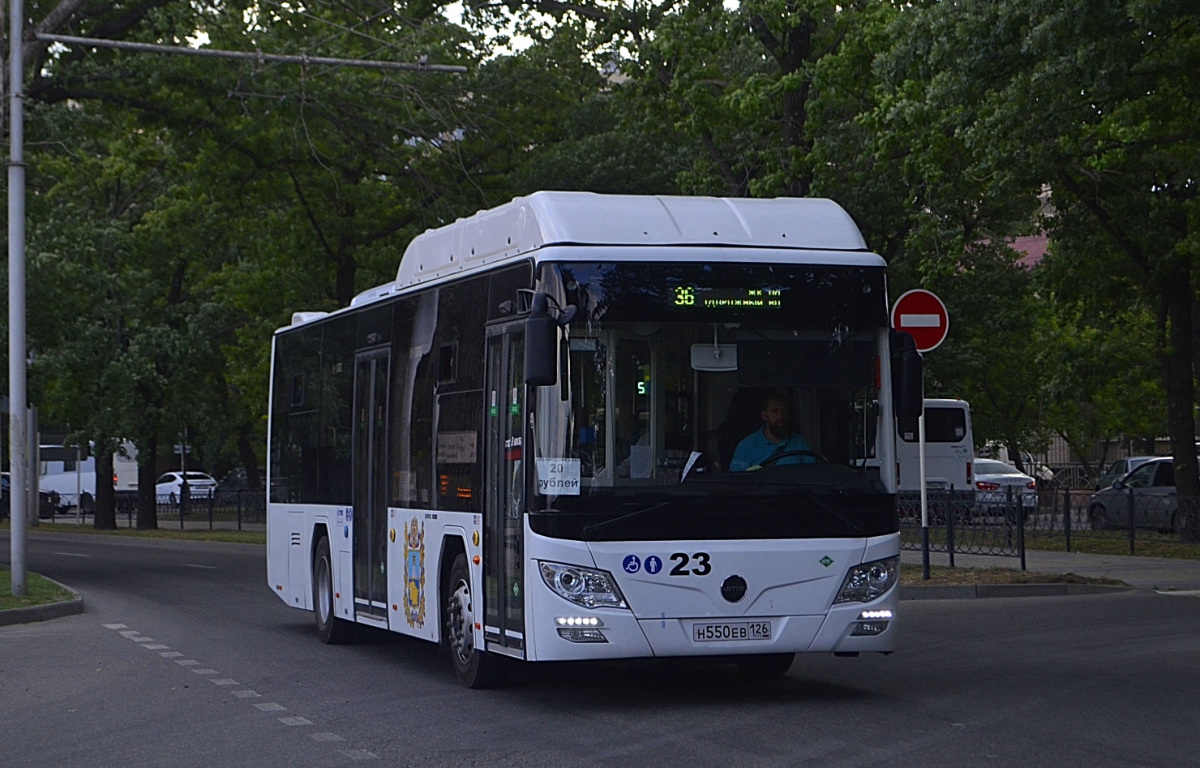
(827, 561)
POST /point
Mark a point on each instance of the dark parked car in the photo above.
(1151, 487)
(238, 480)
(48, 500)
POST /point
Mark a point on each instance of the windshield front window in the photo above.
(741, 400)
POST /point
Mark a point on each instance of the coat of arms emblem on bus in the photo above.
(414, 573)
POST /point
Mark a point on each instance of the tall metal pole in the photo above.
(18, 402)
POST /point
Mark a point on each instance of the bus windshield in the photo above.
(731, 382)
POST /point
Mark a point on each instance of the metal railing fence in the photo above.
(222, 509)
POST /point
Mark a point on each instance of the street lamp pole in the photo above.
(18, 402)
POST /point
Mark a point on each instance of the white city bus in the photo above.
(521, 447)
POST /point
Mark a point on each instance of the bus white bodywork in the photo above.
(431, 475)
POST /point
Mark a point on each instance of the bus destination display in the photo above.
(688, 296)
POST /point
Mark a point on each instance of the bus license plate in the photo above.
(744, 630)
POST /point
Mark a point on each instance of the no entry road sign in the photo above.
(923, 316)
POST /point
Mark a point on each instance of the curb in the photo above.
(970, 591)
(44, 612)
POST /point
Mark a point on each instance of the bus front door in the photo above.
(504, 498)
(370, 483)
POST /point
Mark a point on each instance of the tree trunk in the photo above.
(106, 498)
(1177, 358)
(147, 502)
(249, 458)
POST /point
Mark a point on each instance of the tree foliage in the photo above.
(182, 208)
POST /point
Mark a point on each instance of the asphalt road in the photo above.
(183, 657)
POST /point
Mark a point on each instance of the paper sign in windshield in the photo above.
(558, 477)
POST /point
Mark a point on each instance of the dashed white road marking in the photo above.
(72, 554)
(360, 754)
(197, 565)
(270, 706)
(1179, 592)
(291, 720)
(326, 736)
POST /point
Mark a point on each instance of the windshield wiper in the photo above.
(593, 528)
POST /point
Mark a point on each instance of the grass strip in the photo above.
(912, 575)
(38, 591)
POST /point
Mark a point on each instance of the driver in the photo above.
(775, 437)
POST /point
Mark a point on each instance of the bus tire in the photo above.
(474, 668)
(330, 628)
(766, 667)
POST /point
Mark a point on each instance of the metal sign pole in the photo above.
(924, 494)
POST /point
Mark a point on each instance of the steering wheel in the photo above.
(774, 458)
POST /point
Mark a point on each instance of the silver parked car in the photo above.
(993, 481)
(1120, 468)
(1150, 488)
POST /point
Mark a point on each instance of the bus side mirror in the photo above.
(908, 377)
(541, 343)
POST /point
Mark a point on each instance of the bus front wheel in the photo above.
(474, 668)
(330, 628)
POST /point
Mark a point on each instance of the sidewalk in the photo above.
(1151, 573)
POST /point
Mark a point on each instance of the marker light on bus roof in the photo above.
(587, 587)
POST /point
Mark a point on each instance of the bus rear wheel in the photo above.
(330, 628)
(474, 668)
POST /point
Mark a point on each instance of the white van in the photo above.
(63, 471)
(949, 448)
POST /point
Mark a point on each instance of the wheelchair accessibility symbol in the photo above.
(632, 564)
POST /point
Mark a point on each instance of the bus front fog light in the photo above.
(868, 628)
(872, 623)
(579, 635)
(580, 629)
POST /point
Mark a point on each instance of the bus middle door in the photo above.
(504, 496)
(372, 370)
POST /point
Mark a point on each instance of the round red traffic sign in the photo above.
(922, 315)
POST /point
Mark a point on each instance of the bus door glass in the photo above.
(370, 482)
(505, 487)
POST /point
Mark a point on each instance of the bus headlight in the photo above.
(583, 586)
(868, 581)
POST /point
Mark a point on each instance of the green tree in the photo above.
(1090, 99)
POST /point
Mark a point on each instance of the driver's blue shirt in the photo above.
(755, 448)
